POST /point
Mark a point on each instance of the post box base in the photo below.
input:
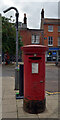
(34, 106)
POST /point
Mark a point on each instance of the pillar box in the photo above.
(34, 78)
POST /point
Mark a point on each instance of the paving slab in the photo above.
(9, 115)
(9, 108)
(0, 108)
(8, 96)
(52, 97)
(44, 114)
(23, 114)
(59, 114)
(51, 110)
(0, 115)
(0, 100)
(9, 101)
(19, 103)
(9, 92)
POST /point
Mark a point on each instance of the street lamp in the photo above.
(16, 72)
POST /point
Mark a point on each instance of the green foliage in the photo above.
(9, 37)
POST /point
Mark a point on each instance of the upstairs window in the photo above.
(50, 28)
(50, 41)
(58, 28)
(35, 39)
(58, 41)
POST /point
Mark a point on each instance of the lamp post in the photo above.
(16, 72)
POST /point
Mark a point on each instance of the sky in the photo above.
(32, 8)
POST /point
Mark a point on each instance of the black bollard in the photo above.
(21, 80)
(20, 95)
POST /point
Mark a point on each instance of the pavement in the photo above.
(13, 108)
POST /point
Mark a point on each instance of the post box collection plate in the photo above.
(34, 67)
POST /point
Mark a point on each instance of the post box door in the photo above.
(37, 77)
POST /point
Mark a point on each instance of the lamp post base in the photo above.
(16, 79)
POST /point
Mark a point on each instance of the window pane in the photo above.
(35, 39)
(58, 28)
(59, 41)
(50, 40)
(32, 36)
(50, 28)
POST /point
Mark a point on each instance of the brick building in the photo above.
(48, 34)
(51, 29)
(30, 36)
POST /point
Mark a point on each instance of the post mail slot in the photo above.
(35, 58)
(34, 78)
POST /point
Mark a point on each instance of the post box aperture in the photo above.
(34, 78)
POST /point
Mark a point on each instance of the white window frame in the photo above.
(50, 28)
(58, 28)
(59, 41)
(35, 39)
(50, 41)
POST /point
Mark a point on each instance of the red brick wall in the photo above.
(26, 36)
(54, 34)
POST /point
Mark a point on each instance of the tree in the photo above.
(9, 37)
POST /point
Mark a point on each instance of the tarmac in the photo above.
(13, 108)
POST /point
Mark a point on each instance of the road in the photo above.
(51, 76)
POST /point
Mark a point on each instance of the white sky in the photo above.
(32, 8)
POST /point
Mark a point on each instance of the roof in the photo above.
(39, 30)
(51, 21)
(35, 29)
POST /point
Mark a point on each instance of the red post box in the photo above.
(34, 78)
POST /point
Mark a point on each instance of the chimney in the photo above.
(25, 19)
(42, 19)
(42, 25)
(42, 13)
